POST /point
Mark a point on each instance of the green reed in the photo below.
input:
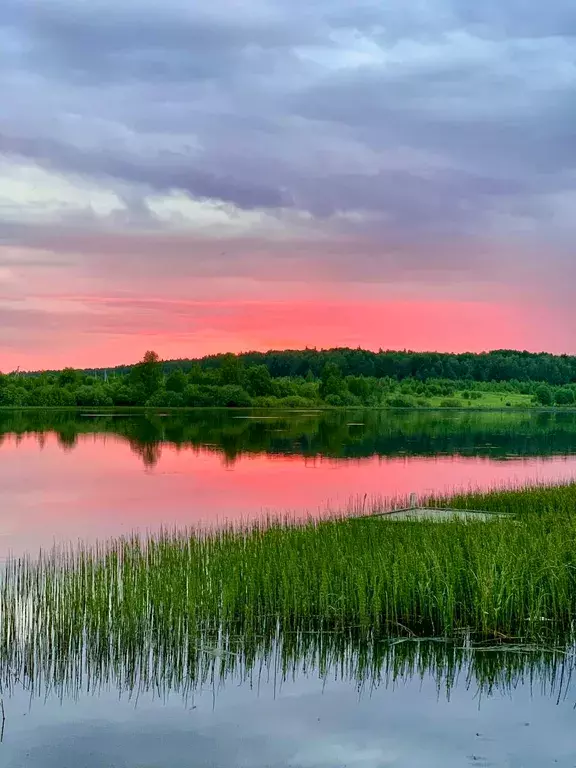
(190, 603)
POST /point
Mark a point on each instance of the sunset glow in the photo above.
(294, 177)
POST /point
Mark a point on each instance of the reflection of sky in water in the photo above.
(101, 488)
(306, 724)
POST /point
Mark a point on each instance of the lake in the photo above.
(68, 476)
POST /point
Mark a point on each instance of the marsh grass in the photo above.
(191, 605)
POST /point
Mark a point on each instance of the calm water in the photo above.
(66, 476)
(88, 476)
(304, 720)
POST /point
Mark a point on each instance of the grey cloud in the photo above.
(166, 172)
(490, 18)
(305, 106)
(521, 17)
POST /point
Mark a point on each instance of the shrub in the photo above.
(295, 401)
(92, 396)
(196, 396)
(543, 395)
(564, 396)
(233, 396)
(166, 399)
(400, 402)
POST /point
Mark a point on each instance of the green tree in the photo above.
(177, 381)
(564, 396)
(147, 375)
(69, 377)
(231, 370)
(195, 374)
(360, 386)
(259, 381)
(331, 382)
(543, 395)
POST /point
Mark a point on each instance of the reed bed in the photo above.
(186, 602)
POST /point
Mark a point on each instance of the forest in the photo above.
(306, 379)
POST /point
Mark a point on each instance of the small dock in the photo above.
(417, 511)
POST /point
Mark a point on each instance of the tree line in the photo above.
(306, 378)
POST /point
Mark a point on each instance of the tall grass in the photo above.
(185, 602)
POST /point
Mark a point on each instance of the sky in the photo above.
(206, 177)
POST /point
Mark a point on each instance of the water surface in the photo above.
(425, 716)
(65, 476)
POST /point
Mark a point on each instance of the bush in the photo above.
(92, 397)
(450, 403)
(543, 395)
(123, 396)
(295, 401)
(12, 395)
(166, 399)
(400, 402)
(269, 401)
(334, 400)
(233, 396)
(196, 396)
(50, 397)
(564, 396)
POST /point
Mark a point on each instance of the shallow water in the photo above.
(67, 476)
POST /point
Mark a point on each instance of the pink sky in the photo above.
(114, 331)
(299, 174)
(101, 300)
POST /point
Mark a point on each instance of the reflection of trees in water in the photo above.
(334, 434)
(150, 453)
(67, 438)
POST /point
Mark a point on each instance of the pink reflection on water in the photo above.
(101, 488)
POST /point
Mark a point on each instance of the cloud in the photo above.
(426, 144)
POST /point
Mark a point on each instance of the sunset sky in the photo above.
(196, 177)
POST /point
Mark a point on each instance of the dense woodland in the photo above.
(307, 378)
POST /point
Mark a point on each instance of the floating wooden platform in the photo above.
(435, 513)
(417, 511)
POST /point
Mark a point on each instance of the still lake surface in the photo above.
(87, 476)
